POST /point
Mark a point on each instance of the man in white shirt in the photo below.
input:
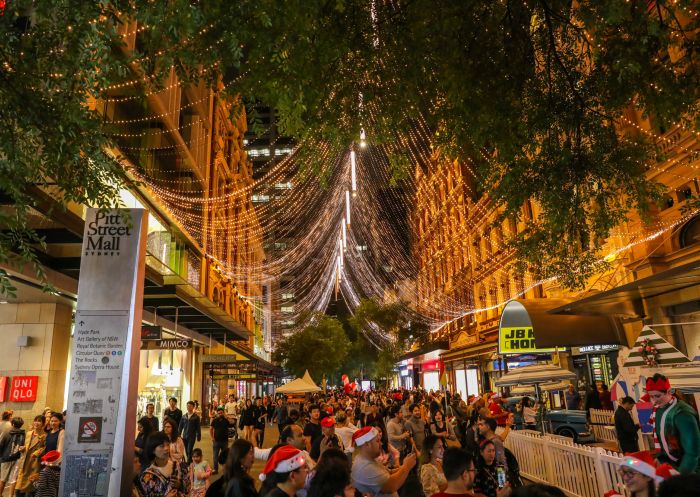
(372, 477)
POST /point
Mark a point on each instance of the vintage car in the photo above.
(564, 422)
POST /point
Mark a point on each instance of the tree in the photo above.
(320, 347)
(394, 330)
(530, 92)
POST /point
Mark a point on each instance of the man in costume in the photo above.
(676, 427)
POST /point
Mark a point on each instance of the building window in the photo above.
(287, 308)
(259, 152)
(288, 296)
(282, 151)
(260, 198)
(284, 186)
(280, 246)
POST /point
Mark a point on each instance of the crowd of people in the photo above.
(30, 461)
(379, 444)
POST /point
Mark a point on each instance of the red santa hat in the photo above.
(283, 460)
(51, 457)
(328, 421)
(643, 462)
(612, 493)
(364, 435)
(660, 385)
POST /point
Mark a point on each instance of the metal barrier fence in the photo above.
(579, 470)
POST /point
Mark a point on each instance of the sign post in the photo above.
(100, 425)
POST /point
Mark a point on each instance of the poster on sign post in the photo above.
(100, 425)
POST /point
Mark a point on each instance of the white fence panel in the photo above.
(580, 471)
(603, 424)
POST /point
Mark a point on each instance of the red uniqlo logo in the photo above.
(23, 388)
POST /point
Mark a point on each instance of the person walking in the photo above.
(625, 427)
(29, 464)
(200, 471)
(173, 412)
(247, 420)
(151, 418)
(218, 429)
(190, 429)
(177, 445)
(260, 415)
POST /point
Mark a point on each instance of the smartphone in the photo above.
(501, 476)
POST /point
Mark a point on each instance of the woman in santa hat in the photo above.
(641, 475)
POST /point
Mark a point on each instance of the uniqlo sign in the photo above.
(23, 388)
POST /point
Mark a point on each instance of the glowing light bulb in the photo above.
(363, 137)
(353, 172)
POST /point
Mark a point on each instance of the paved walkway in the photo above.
(271, 437)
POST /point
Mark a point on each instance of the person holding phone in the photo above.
(491, 479)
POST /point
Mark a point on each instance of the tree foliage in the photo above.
(321, 347)
(394, 331)
(530, 91)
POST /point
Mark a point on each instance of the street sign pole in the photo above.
(101, 419)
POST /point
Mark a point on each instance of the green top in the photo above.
(682, 437)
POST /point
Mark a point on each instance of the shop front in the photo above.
(467, 367)
(595, 364)
(236, 373)
(421, 367)
(530, 334)
(165, 367)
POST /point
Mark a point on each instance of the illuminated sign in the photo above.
(593, 349)
(23, 388)
(518, 340)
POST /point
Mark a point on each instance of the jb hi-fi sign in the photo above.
(20, 388)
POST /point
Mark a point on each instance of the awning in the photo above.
(469, 352)
(559, 330)
(625, 300)
(426, 349)
(534, 375)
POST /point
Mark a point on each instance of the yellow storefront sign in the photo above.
(518, 340)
